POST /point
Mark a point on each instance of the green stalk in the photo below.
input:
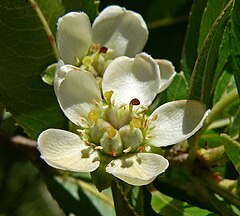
(213, 185)
(122, 205)
(220, 106)
(46, 28)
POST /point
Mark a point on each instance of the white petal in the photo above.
(73, 37)
(122, 30)
(65, 150)
(175, 121)
(76, 91)
(132, 78)
(167, 73)
(139, 169)
(61, 71)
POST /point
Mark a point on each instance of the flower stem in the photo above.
(122, 205)
(46, 27)
(213, 185)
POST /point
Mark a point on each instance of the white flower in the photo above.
(115, 32)
(118, 126)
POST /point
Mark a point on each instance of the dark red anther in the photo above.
(135, 101)
(103, 50)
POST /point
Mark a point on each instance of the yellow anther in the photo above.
(111, 131)
(108, 96)
(95, 48)
(135, 123)
(93, 115)
(87, 61)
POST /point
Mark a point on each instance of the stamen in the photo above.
(103, 49)
(135, 123)
(95, 48)
(108, 96)
(133, 102)
(87, 61)
(98, 148)
(93, 115)
(141, 148)
(127, 149)
(111, 131)
(77, 60)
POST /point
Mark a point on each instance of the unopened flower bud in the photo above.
(131, 137)
(111, 142)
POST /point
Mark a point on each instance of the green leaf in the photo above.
(234, 129)
(25, 51)
(201, 85)
(189, 52)
(223, 86)
(211, 12)
(90, 7)
(232, 148)
(165, 206)
(235, 43)
(27, 47)
(176, 91)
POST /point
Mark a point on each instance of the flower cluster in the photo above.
(111, 116)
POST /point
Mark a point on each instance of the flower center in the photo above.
(116, 130)
(97, 60)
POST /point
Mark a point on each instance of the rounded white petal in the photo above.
(167, 73)
(60, 74)
(138, 169)
(122, 30)
(76, 91)
(131, 78)
(175, 121)
(73, 37)
(65, 150)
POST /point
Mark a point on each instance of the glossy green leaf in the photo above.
(165, 206)
(232, 148)
(201, 85)
(88, 6)
(189, 52)
(235, 43)
(211, 12)
(27, 47)
(223, 86)
(176, 91)
(25, 52)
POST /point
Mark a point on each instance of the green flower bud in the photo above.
(131, 137)
(97, 130)
(111, 142)
(117, 117)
